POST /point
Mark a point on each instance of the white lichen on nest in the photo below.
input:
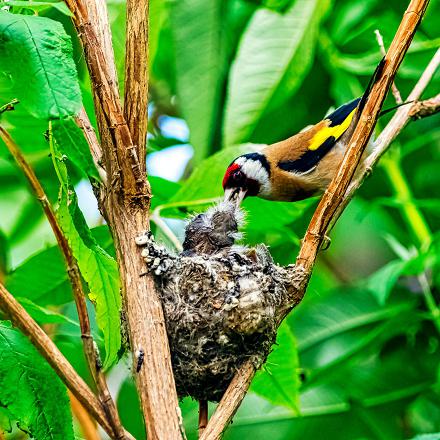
(222, 302)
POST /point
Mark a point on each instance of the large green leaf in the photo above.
(37, 53)
(198, 55)
(30, 391)
(278, 381)
(276, 48)
(98, 268)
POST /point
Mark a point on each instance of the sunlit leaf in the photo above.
(38, 6)
(37, 53)
(275, 47)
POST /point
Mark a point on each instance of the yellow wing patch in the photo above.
(338, 130)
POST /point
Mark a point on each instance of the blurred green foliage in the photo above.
(359, 358)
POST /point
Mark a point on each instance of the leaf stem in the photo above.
(416, 223)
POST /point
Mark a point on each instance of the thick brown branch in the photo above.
(75, 280)
(131, 180)
(136, 74)
(125, 204)
(21, 319)
(394, 89)
(332, 198)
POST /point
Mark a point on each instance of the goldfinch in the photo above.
(300, 166)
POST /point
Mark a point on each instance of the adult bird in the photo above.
(300, 166)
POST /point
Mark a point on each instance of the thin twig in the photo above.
(332, 198)
(87, 425)
(394, 89)
(230, 402)
(402, 116)
(83, 122)
(75, 280)
(9, 106)
(21, 319)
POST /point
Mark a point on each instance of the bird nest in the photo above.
(222, 302)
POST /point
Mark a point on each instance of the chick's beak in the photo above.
(235, 195)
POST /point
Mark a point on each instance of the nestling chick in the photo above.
(300, 166)
(213, 232)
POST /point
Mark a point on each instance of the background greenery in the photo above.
(359, 358)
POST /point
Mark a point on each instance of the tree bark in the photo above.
(125, 203)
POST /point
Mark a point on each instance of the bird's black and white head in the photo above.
(247, 175)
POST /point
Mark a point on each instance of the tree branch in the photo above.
(230, 402)
(333, 196)
(125, 204)
(73, 272)
(21, 319)
(397, 123)
(136, 74)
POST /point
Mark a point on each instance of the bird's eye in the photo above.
(238, 176)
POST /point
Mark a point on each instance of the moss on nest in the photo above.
(222, 302)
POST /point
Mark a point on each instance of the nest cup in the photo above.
(222, 302)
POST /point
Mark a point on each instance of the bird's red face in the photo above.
(246, 176)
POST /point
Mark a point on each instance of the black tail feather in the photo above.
(373, 79)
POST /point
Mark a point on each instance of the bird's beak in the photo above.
(235, 195)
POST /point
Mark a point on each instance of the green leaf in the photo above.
(198, 56)
(278, 381)
(266, 58)
(43, 315)
(37, 53)
(38, 6)
(43, 287)
(4, 254)
(73, 144)
(128, 406)
(30, 391)
(382, 281)
(98, 268)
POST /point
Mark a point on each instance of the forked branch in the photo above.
(125, 204)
